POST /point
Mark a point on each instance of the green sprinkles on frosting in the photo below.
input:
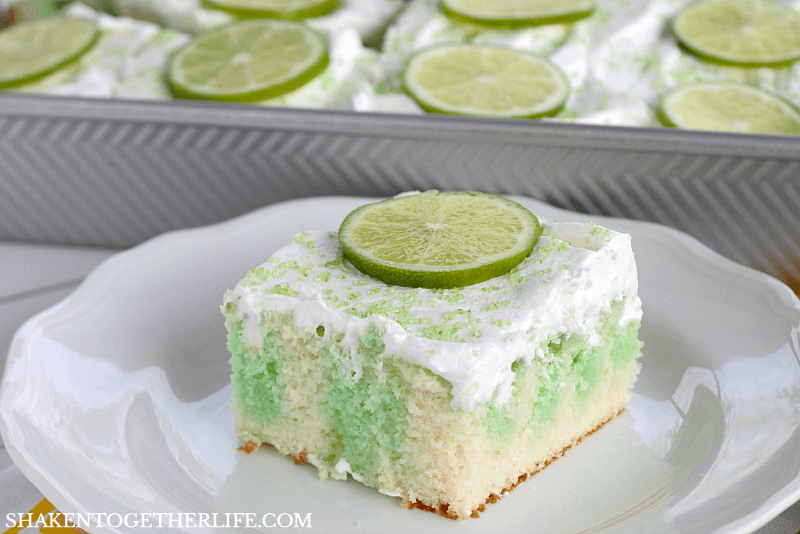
(415, 309)
(283, 289)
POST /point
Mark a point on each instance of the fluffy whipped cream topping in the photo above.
(351, 66)
(128, 60)
(469, 336)
(367, 17)
(620, 60)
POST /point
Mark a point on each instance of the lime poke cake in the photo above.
(367, 17)
(481, 346)
(82, 52)
(273, 63)
(623, 60)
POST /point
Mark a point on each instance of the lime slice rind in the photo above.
(36, 57)
(713, 30)
(438, 240)
(272, 9)
(720, 62)
(222, 48)
(729, 107)
(504, 82)
(562, 12)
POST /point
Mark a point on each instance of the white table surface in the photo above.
(34, 277)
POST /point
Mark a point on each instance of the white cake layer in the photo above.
(469, 336)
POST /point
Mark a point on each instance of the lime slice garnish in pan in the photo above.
(248, 61)
(275, 9)
(439, 240)
(729, 107)
(747, 33)
(487, 81)
(516, 13)
(34, 49)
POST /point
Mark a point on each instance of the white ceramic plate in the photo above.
(115, 400)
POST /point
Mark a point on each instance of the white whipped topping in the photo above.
(367, 17)
(350, 67)
(620, 61)
(128, 60)
(343, 466)
(570, 278)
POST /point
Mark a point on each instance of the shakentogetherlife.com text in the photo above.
(165, 520)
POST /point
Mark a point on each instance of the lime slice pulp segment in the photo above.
(275, 9)
(439, 240)
(37, 48)
(485, 81)
(729, 107)
(248, 61)
(516, 13)
(740, 32)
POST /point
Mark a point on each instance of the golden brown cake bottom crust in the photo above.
(443, 509)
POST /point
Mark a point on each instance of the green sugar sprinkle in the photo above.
(360, 296)
(497, 304)
(597, 230)
(338, 263)
(283, 289)
(410, 296)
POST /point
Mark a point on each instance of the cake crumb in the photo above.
(300, 458)
(249, 447)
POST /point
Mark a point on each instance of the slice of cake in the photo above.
(446, 398)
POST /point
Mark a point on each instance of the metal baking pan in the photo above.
(115, 173)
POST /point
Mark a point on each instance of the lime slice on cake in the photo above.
(34, 49)
(275, 9)
(248, 61)
(516, 13)
(747, 33)
(439, 240)
(487, 81)
(729, 107)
